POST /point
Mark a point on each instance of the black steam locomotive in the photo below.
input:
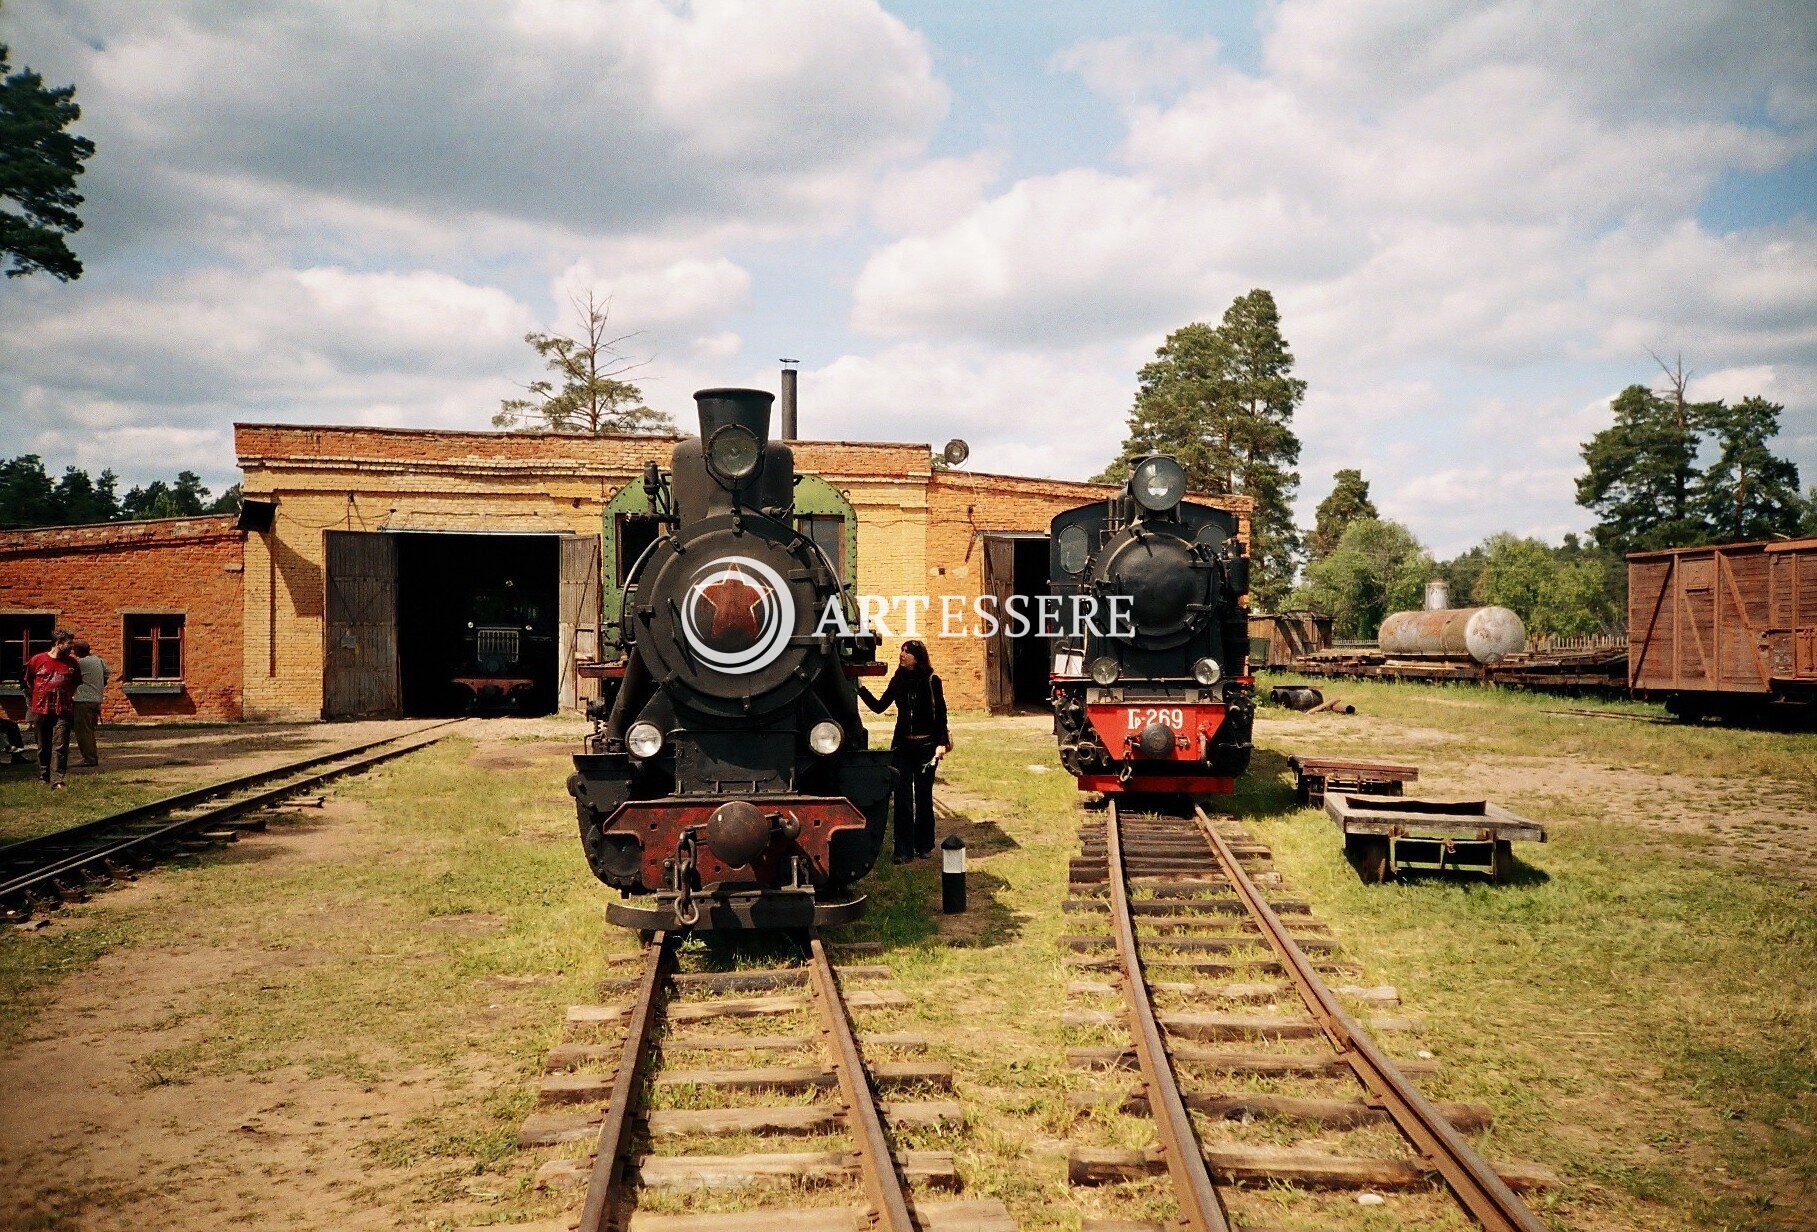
(1150, 685)
(728, 773)
(505, 633)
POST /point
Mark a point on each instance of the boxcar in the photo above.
(1726, 630)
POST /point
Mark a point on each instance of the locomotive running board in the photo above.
(738, 911)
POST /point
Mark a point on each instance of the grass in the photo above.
(1635, 1010)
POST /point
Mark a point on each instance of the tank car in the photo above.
(1151, 690)
(728, 778)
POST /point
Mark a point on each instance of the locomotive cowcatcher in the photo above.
(728, 773)
(1150, 686)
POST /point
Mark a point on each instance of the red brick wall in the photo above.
(91, 576)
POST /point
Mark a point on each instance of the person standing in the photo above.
(51, 677)
(88, 700)
(921, 732)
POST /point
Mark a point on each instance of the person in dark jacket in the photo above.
(921, 734)
(51, 677)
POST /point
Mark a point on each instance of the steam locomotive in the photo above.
(727, 772)
(504, 633)
(1150, 686)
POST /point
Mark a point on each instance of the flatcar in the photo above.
(728, 782)
(1150, 686)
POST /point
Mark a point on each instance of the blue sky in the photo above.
(966, 220)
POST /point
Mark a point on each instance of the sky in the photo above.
(964, 219)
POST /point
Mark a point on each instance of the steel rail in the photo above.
(65, 862)
(1482, 1193)
(196, 795)
(604, 1185)
(1200, 1207)
(882, 1184)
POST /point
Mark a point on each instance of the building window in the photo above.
(22, 635)
(827, 530)
(154, 648)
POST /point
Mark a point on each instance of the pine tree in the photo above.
(1266, 395)
(588, 394)
(1640, 473)
(1221, 400)
(1183, 407)
(1748, 492)
(1349, 500)
(39, 163)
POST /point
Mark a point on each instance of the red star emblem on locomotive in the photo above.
(735, 603)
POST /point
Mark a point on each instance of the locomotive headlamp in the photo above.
(1158, 484)
(1207, 671)
(1105, 670)
(644, 739)
(825, 737)
(733, 453)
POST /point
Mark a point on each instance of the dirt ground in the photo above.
(338, 1023)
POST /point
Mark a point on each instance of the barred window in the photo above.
(154, 647)
(22, 635)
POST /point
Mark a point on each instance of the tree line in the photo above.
(30, 497)
(1670, 472)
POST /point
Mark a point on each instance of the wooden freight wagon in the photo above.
(1725, 630)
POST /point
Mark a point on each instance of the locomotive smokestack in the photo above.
(747, 407)
(788, 399)
(1438, 595)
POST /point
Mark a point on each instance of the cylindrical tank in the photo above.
(1485, 634)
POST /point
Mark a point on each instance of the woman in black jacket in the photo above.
(920, 730)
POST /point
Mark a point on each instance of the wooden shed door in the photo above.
(579, 635)
(999, 654)
(359, 672)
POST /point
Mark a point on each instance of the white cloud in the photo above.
(1138, 66)
(934, 193)
(1421, 181)
(1031, 413)
(627, 115)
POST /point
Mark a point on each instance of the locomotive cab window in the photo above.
(827, 530)
(154, 647)
(634, 532)
(22, 635)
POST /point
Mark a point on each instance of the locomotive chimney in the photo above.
(1438, 595)
(788, 425)
(747, 407)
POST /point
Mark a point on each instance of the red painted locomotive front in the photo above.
(1181, 770)
(660, 825)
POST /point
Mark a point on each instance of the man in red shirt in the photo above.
(51, 678)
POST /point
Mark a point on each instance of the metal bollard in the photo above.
(952, 875)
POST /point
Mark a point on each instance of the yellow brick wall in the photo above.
(918, 530)
(326, 479)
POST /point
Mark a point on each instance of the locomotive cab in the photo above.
(731, 776)
(1150, 685)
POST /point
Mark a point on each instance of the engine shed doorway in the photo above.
(441, 623)
(1016, 664)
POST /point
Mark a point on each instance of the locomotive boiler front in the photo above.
(1150, 691)
(731, 776)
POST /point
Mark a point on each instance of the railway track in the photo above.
(42, 872)
(702, 1070)
(1217, 980)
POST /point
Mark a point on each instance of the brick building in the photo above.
(359, 542)
(159, 600)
